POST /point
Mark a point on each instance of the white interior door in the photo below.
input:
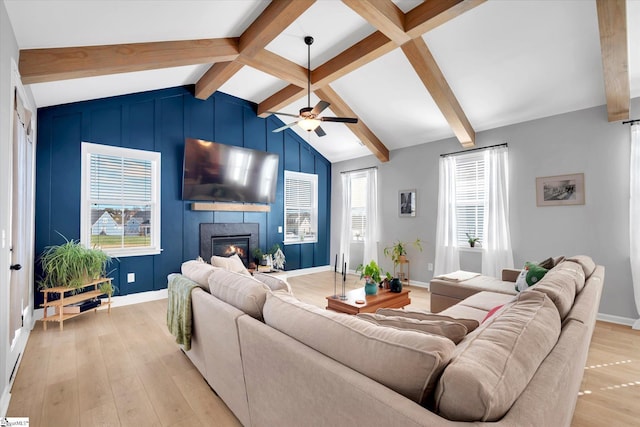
(21, 239)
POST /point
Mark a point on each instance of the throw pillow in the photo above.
(530, 275)
(274, 283)
(547, 263)
(470, 324)
(232, 263)
(453, 330)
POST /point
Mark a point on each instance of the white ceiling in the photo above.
(506, 61)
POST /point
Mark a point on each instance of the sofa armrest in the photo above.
(510, 274)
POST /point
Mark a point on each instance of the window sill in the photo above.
(127, 253)
(469, 249)
(299, 242)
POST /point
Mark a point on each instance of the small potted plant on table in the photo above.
(371, 274)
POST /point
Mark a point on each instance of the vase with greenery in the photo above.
(472, 240)
(372, 276)
(72, 265)
(398, 251)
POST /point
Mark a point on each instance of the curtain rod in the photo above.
(633, 122)
(361, 169)
(474, 149)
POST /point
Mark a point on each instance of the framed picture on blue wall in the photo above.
(407, 203)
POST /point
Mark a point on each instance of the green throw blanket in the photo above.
(179, 316)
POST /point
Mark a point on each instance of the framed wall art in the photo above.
(407, 203)
(560, 190)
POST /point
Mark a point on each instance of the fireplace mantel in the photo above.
(234, 207)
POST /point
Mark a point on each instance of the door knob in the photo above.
(15, 267)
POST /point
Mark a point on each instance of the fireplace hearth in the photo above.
(226, 239)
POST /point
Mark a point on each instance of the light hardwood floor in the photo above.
(125, 369)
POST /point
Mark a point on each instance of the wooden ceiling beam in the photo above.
(215, 77)
(271, 22)
(271, 63)
(427, 69)
(612, 22)
(383, 15)
(340, 108)
(46, 65)
(366, 50)
(431, 14)
(280, 99)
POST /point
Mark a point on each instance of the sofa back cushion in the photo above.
(232, 263)
(491, 368)
(406, 361)
(560, 285)
(273, 282)
(587, 264)
(243, 292)
(198, 271)
(445, 328)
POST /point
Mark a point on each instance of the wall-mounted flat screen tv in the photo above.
(226, 173)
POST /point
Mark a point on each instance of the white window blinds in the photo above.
(470, 185)
(300, 207)
(120, 202)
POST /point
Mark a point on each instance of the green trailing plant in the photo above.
(371, 270)
(399, 248)
(72, 265)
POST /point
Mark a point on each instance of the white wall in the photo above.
(8, 50)
(581, 141)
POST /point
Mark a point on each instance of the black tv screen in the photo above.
(225, 173)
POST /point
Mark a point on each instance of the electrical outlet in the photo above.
(131, 277)
(430, 267)
(279, 229)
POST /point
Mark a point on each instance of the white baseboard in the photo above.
(627, 321)
(303, 271)
(4, 401)
(118, 301)
(419, 284)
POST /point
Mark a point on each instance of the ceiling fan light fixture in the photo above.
(309, 124)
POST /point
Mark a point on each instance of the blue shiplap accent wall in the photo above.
(160, 121)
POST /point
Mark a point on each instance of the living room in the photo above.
(576, 140)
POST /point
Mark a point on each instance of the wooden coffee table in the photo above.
(383, 299)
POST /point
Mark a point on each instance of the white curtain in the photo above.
(447, 256)
(634, 215)
(371, 203)
(345, 233)
(497, 253)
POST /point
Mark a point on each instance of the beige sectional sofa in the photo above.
(277, 361)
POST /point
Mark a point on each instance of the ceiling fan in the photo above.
(309, 119)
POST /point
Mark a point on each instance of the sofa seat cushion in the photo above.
(198, 271)
(470, 324)
(243, 292)
(406, 361)
(491, 368)
(445, 328)
(460, 311)
(462, 290)
(487, 300)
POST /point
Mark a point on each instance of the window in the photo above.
(300, 207)
(120, 211)
(358, 207)
(470, 197)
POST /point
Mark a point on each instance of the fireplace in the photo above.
(225, 239)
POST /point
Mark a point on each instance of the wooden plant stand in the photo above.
(64, 301)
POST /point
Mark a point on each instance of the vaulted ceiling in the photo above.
(411, 71)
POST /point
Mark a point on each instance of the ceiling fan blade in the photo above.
(320, 106)
(319, 131)
(280, 129)
(283, 114)
(339, 119)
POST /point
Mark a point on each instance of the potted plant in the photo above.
(72, 265)
(472, 240)
(398, 251)
(371, 274)
(257, 256)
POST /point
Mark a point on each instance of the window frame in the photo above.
(313, 180)
(87, 150)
